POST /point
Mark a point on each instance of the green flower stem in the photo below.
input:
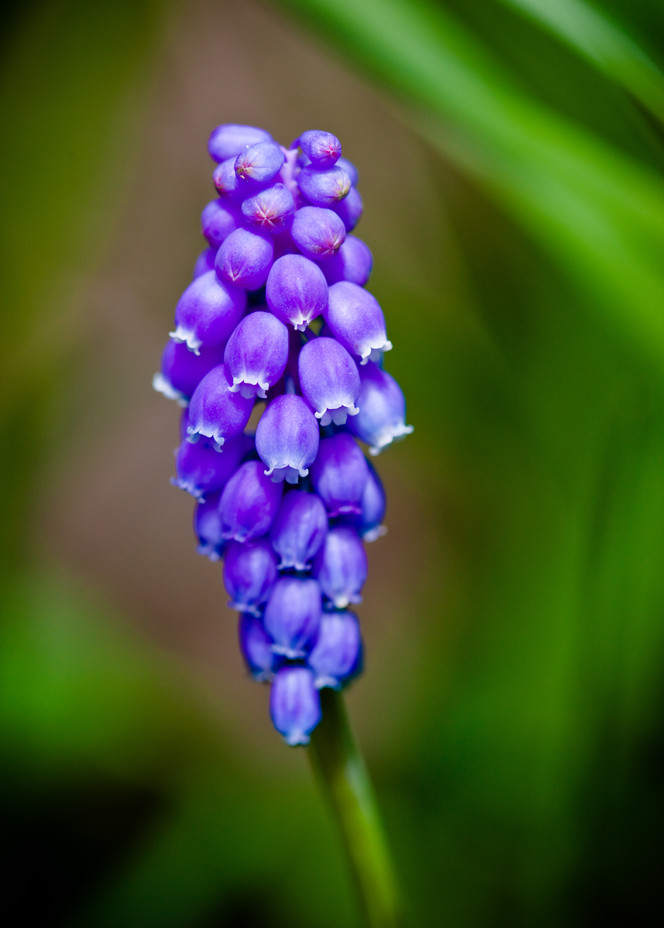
(338, 765)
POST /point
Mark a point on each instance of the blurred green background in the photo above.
(510, 156)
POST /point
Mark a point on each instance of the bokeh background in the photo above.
(510, 156)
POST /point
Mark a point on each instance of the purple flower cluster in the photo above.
(277, 329)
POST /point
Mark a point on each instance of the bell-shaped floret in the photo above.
(201, 470)
(354, 316)
(260, 163)
(352, 262)
(341, 566)
(229, 140)
(299, 529)
(215, 411)
(287, 438)
(382, 416)
(207, 312)
(321, 148)
(339, 474)
(337, 655)
(349, 210)
(182, 370)
(369, 522)
(249, 503)
(329, 380)
(244, 259)
(207, 527)
(269, 209)
(317, 232)
(205, 262)
(250, 570)
(256, 354)
(256, 648)
(294, 704)
(292, 616)
(324, 187)
(218, 220)
(296, 290)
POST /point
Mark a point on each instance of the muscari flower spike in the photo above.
(277, 321)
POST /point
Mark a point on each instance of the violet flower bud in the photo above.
(256, 648)
(218, 220)
(350, 209)
(205, 262)
(369, 522)
(299, 529)
(353, 262)
(382, 416)
(260, 163)
(341, 566)
(269, 209)
(229, 140)
(201, 470)
(294, 704)
(296, 291)
(207, 312)
(317, 232)
(337, 655)
(287, 438)
(339, 474)
(256, 354)
(250, 570)
(249, 503)
(322, 149)
(182, 370)
(292, 616)
(226, 182)
(355, 318)
(329, 380)
(324, 187)
(215, 411)
(244, 259)
(207, 527)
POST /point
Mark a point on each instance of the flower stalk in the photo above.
(339, 767)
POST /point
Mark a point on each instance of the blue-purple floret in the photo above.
(276, 356)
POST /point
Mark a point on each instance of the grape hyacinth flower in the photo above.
(278, 311)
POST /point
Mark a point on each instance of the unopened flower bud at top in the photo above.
(229, 139)
(287, 438)
(318, 232)
(350, 209)
(244, 259)
(299, 529)
(296, 290)
(321, 148)
(355, 318)
(324, 188)
(218, 220)
(260, 163)
(207, 312)
(249, 503)
(216, 412)
(294, 704)
(329, 380)
(256, 354)
(270, 209)
(353, 262)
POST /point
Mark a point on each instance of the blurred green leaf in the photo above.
(599, 212)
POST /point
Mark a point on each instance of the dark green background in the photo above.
(510, 157)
